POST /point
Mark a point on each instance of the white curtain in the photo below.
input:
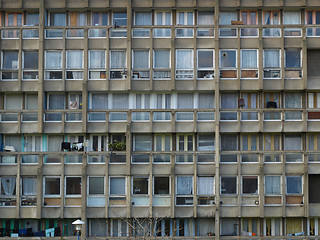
(291, 18)
(206, 226)
(54, 143)
(205, 186)
(249, 59)
(142, 101)
(14, 141)
(13, 101)
(184, 185)
(32, 101)
(56, 101)
(8, 185)
(118, 59)
(29, 186)
(142, 142)
(53, 60)
(32, 143)
(119, 101)
(140, 59)
(271, 58)
(97, 59)
(99, 101)
(185, 100)
(253, 100)
(227, 17)
(162, 59)
(272, 185)
(206, 101)
(205, 18)
(184, 59)
(143, 18)
(293, 100)
(74, 59)
(292, 142)
(229, 101)
(117, 185)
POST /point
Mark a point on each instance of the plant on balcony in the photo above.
(117, 146)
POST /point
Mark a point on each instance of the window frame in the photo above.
(229, 176)
(65, 187)
(185, 18)
(271, 18)
(44, 187)
(242, 184)
(206, 68)
(148, 187)
(153, 186)
(302, 184)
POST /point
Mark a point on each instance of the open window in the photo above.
(205, 64)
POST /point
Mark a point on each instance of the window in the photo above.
(205, 64)
(10, 65)
(73, 185)
(57, 19)
(161, 64)
(228, 185)
(205, 186)
(30, 65)
(205, 18)
(96, 185)
(185, 101)
(184, 64)
(53, 65)
(228, 58)
(55, 101)
(29, 186)
(271, 63)
(142, 18)
(13, 141)
(162, 101)
(249, 101)
(142, 142)
(98, 143)
(229, 142)
(117, 186)
(272, 185)
(313, 100)
(249, 142)
(97, 64)
(99, 19)
(162, 143)
(77, 19)
(119, 19)
(291, 18)
(206, 101)
(8, 186)
(32, 143)
(119, 228)
(229, 101)
(272, 226)
(184, 190)
(118, 64)
(12, 101)
(271, 142)
(31, 101)
(227, 17)
(141, 101)
(249, 17)
(206, 142)
(54, 143)
(272, 100)
(14, 19)
(140, 185)
(98, 101)
(119, 101)
(185, 142)
(293, 58)
(314, 196)
(293, 225)
(292, 142)
(185, 18)
(140, 64)
(292, 100)
(294, 185)
(161, 185)
(313, 141)
(32, 19)
(51, 185)
(313, 17)
(74, 63)
(271, 17)
(249, 60)
(250, 185)
(163, 18)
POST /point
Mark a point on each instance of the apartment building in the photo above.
(160, 118)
